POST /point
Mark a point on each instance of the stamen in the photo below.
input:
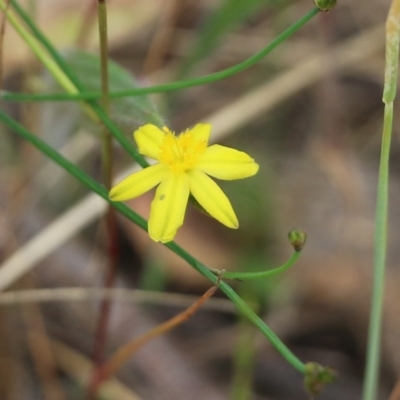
(180, 153)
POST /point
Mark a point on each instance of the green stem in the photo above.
(95, 110)
(260, 274)
(380, 245)
(52, 66)
(44, 58)
(142, 223)
(371, 378)
(168, 87)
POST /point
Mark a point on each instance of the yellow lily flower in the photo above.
(184, 163)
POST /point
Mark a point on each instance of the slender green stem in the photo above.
(380, 244)
(52, 66)
(168, 87)
(371, 378)
(99, 112)
(142, 223)
(260, 274)
(57, 59)
(33, 44)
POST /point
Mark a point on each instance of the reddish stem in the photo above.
(105, 306)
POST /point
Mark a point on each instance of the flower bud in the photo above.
(297, 239)
(317, 376)
(325, 5)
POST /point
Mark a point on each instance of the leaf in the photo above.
(128, 112)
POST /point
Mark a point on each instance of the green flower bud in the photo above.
(325, 5)
(317, 376)
(297, 239)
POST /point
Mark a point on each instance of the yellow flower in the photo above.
(184, 163)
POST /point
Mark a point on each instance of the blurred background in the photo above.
(310, 113)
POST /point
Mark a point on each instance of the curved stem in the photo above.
(168, 87)
(260, 274)
(125, 352)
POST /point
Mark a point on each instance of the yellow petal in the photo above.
(149, 138)
(201, 132)
(225, 163)
(212, 198)
(168, 208)
(138, 183)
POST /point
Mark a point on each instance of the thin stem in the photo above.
(107, 153)
(371, 378)
(95, 187)
(173, 86)
(380, 244)
(53, 67)
(261, 274)
(96, 111)
(111, 221)
(125, 352)
(37, 49)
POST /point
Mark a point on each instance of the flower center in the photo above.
(181, 153)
